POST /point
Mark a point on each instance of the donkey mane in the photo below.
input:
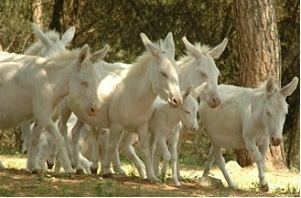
(203, 49)
(36, 47)
(140, 65)
(65, 56)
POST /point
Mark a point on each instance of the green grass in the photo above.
(20, 183)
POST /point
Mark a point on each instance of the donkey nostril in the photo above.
(174, 101)
(92, 110)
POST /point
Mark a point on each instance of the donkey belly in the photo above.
(223, 126)
(15, 106)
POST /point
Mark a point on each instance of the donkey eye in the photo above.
(203, 75)
(186, 111)
(164, 74)
(269, 114)
(84, 84)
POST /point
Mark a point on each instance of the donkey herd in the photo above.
(111, 106)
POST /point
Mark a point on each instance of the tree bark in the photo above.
(259, 54)
(37, 7)
(55, 23)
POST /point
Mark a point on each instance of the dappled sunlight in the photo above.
(16, 181)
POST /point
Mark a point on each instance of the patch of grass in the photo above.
(4, 192)
(11, 151)
(287, 190)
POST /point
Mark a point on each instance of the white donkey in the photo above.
(198, 66)
(246, 118)
(33, 86)
(195, 68)
(48, 43)
(154, 73)
(131, 104)
(166, 123)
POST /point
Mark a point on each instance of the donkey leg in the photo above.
(220, 161)
(43, 150)
(25, 134)
(75, 144)
(95, 151)
(60, 144)
(111, 150)
(52, 153)
(166, 156)
(259, 159)
(65, 112)
(261, 166)
(131, 154)
(145, 150)
(33, 148)
(156, 161)
(211, 158)
(85, 164)
(174, 158)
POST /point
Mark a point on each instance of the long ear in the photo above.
(193, 51)
(290, 88)
(169, 45)
(84, 53)
(217, 51)
(150, 46)
(270, 85)
(40, 34)
(68, 35)
(198, 90)
(100, 54)
(186, 92)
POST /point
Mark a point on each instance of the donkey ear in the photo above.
(100, 54)
(193, 51)
(40, 34)
(150, 46)
(84, 53)
(169, 45)
(217, 51)
(290, 88)
(68, 35)
(270, 85)
(198, 90)
(186, 92)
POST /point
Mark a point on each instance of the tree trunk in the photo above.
(37, 7)
(259, 54)
(55, 23)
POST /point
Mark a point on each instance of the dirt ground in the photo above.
(15, 181)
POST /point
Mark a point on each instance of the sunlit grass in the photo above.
(281, 182)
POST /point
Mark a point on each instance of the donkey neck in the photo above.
(58, 73)
(172, 114)
(257, 104)
(185, 73)
(141, 91)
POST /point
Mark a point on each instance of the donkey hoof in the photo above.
(79, 171)
(264, 188)
(49, 165)
(93, 170)
(120, 171)
(177, 183)
(154, 180)
(71, 176)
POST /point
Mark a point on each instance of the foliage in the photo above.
(119, 23)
